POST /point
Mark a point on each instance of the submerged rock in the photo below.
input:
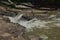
(33, 37)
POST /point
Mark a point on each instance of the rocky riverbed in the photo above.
(18, 26)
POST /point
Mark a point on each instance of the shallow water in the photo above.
(46, 34)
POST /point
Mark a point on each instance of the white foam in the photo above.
(44, 37)
(28, 24)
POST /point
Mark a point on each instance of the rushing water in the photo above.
(53, 21)
(34, 22)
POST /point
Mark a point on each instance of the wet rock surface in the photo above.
(13, 31)
(10, 31)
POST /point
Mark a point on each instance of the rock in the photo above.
(11, 31)
(34, 37)
(2, 9)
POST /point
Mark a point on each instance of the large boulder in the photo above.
(11, 31)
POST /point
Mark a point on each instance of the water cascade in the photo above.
(33, 22)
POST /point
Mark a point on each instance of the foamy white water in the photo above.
(16, 18)
(33, 22)
(28, 24)
(44, 37)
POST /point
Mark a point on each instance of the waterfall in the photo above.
(33, 22)
(24, 22)
(20, 20)
(16, 18)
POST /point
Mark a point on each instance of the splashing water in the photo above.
(28, 24)
(33, 22)
(16, 18)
